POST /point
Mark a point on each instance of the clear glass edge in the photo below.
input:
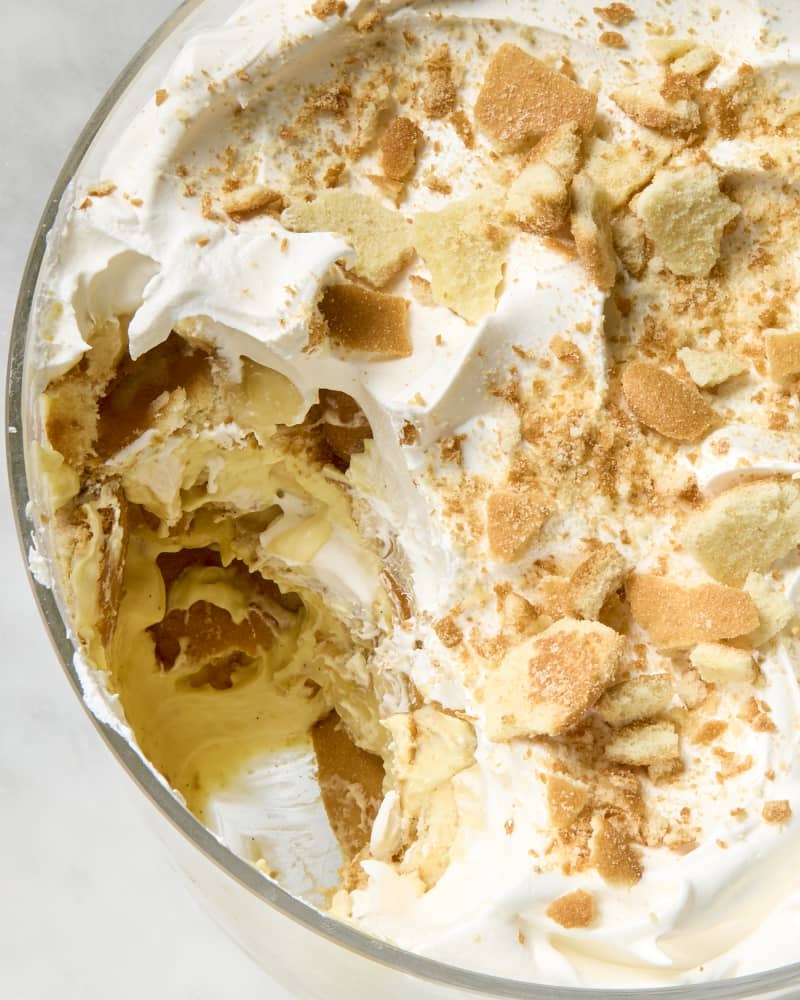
(405, 962)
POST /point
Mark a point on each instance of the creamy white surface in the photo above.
(677, 924)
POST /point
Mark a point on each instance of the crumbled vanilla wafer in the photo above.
(522, 99)
(574, 909)
(720, 664)
(380, 237)
(746, 529)
(591, 231)
(399, 148)
(666, 48)
(597, 576)
(254, 199)
(362, 320)
(468, 232)
(635, 699)
(697, 61)
(678, 617)
(513, 522)
(645, 105)
(783, 352)
(616, 860)
(539, 197)
(710, 368)
(623, 168)
(545, 684)
(630, 242)
(684, 214)
(777, 811)
(644, 743)
(775, 610)
(616, 13)
(566, 800)
(667, 404)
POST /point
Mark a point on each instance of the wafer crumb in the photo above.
(513, 522)
(574, 909)
(678, 617)
(381, 238)
(254, 199)
(623, 168)
(644, 743)
(778, 811)
(666, 48)
(783, 353)
(775, 610)
(696, 62)
(522, 99)
(745, 529)
(635, 700)
(598, 576)
(666, 404)
(359, 319)
(684, 214)
(616, 860)
(646, 105)
(399, 148)
(616, 13)
(720, 664)
(466, 231)
(627, 231)
(546, 683)
(591, 231)
(710, 368)
(566, 800)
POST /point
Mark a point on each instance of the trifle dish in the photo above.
(415, 453)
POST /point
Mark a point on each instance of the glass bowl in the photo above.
(311, 954)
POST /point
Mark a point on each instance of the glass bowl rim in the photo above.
(333, 930)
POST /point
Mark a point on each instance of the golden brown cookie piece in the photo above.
(645, 105)
(677, 617)
(783, 353)
(574, 909)
(666, 404)
(468, 232)
(513, 521)
(545, 684)
(539, 198)
(522, 99)
(597, 577)
(566, 800)
(380, 237)
(253, 199)
(399, 148)
(635, 699)
(616, 860)
(350, 781)
(746, 529)
(644, 743)
(591, 230)
(684, 214)
(359, 319)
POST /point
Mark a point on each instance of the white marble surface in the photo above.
(90, 908)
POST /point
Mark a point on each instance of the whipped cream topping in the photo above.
(718, 902)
